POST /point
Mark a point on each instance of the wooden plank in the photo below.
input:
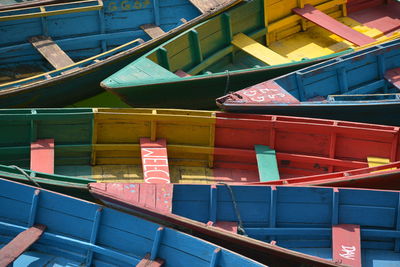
(258, 51)
(146, 262)
(206, 6)
(375, 162)
(182, 74)
(51, 51)
(227, 226)
(152, 30)
(266, 162)
(154, 161)
(321, 19)
(42, 156)
(20, 244)
(393, 76)
(346, 244)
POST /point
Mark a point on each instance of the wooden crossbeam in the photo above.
(393, 76)
(323, 20)
(152, 30)
(346, 244)
(258, 50)
(154, 161)
(266, 162)
(42, 156)
(51, 51)
(20, 244)
(146, 262)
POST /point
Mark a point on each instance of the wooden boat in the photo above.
(354, 227)
(118, 145)
(43, 228)
(385, 177)
(14, 4)
(244, 46)
(348, 87)
(70, 47)
(70, 185)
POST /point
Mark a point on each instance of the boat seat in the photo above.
(146, 262)
(51, 51)
(393, 76)
(258, 50)
(227, 226)
(152, 30)
(323, 20)
(346, 244)
(10, 252)
(375, 162)
(202, 5)
(182, 74)
(266, 162)
(154, 161)
(317, 98)
(42, 156)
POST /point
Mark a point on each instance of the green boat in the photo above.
(250, 43)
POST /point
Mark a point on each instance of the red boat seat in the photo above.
(155, 161)
(146, 262)
(346, 244)
(42, 156)
(393, 76)
(20, 244)
(321, 19)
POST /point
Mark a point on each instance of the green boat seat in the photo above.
(266, 162)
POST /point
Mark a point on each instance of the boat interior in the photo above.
(200, 146)
(66, 37)
(290, 32)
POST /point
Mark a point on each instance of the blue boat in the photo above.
(56, 230)
(355, 227)
(362, 86)
(57, 54)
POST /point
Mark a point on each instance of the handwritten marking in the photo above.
(349, 252)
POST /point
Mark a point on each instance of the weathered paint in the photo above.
(155, 161)
(216, 63)
(346, 244)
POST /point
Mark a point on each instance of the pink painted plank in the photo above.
(20, 244)
(154, 161)
(154, 196)
(346, 244)
(146, 262)
(268, 92)
(228, 226)
(393, 76)
(42, 156)
(332, 25)
(182, 74)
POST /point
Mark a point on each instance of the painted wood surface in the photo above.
(393, 76)
(344, 88)
(100, 36)
(321, 19)
(266, 162)
(233, 56)
(11, 251)
(42, 156)
(346, 244)
(152, 30)
(302, 219)
(155, 161)
(83, 233)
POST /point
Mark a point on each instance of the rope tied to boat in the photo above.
(240, 229)
(227, 81)
(30, 178)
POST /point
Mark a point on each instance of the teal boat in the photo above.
(250, 43)
(55, 55)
